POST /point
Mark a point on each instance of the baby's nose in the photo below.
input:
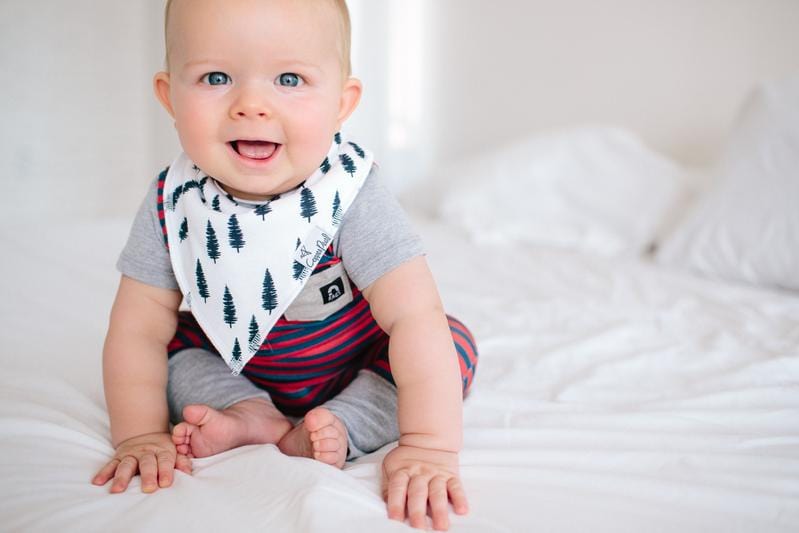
(251, 103)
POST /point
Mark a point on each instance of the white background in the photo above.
(82, 134)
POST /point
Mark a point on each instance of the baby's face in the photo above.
(256, 89)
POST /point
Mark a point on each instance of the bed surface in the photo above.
(611, 395)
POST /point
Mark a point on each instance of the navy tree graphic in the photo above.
(337, 138)
(268, 293)
(263, 210)
(236, 351)
(348, 164)
(176, 196)
(215, 204)
(255, 337)
(184, 230)
(307, 203)
(189, 185)
(336, 210)
(325, 166)
(235, 236)
(229, 308)
(211, 243)
(202, 285)
(358, 150)
(299, 270)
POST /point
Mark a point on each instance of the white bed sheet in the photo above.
(610, 396)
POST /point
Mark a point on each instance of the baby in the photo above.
(315, 323)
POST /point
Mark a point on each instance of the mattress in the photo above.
(611, 395)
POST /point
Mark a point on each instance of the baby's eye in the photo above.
(289, 79)
(216, 78)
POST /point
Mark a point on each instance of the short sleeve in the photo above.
(376, 235)
(145, 256)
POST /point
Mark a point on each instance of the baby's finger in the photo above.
(106, 472)
(183, 464)
(417, 501)
(126, 469)
(166, 468)
(397, 492)
(457, 495)
(148, 469)
(439, 505)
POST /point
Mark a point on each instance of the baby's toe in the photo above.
(198, 414)
(327, 445)
(318, 418)
(331, 458)
(180, 434)
(327, 432)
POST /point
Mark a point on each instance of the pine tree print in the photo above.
(235, 236)
(236, 351)
(358, 150)
(176, 196)
(307, 204)
(229, 308)
(230, 197)
(215, 204)
(337, 138)
(263, 210)
(336, 210)
(202, 285)
(189, 185)
(184, 230)
(325, 166)
(255, 337)
(299, 270)
(268, 293)
(299, 243)
(348, 164)
(211, 243)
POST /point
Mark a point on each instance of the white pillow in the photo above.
(746, 226)
(595, 189)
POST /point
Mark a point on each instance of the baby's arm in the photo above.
(406, 305)
(143, 321)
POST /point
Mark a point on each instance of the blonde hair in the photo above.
(345, 27)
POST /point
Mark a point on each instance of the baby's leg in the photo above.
(368, 405)
(362, 418)
(368, 409)
(214, 410)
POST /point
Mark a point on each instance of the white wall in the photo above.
(673, 70)
(73, 101)
(81, 133)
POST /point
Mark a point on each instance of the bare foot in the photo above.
(206, 431)
(321, 436)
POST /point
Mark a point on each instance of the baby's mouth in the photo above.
(254, 149)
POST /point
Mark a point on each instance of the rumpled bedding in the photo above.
(611, 395)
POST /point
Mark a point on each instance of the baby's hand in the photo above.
(422, 475)
(152, 455)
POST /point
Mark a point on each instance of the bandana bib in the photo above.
(240, 264)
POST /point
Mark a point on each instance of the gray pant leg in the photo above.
(200, 376)
(368, 408)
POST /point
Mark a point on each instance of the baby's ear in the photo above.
(161, 84)
(350, 96)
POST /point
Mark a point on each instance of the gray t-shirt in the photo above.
(375, 237)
